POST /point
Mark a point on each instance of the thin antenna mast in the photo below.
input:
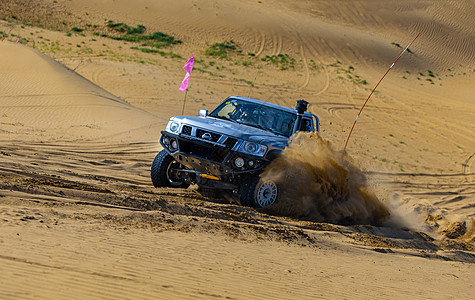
(252, 85)
(376, 87)
(184, 101)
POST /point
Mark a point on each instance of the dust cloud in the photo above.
(405, 212)
(423, 216)
(414, 214)
(320, 184)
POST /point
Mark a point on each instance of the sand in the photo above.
(81, 114)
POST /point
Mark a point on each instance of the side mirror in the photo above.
(203, 113)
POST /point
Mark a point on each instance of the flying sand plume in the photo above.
(321, 184)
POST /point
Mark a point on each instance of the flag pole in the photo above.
(184, 84)
(183, 109)
(357, 116)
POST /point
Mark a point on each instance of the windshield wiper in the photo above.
(224, 118)
(265, 128)
(248, 124)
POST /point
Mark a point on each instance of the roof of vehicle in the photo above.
(260, 102)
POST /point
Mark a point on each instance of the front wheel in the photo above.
(255, 192)
(164, 172)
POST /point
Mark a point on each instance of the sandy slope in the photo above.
(76, 203)
(46, 101)
(92, 258)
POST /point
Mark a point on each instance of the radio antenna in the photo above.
(347, 139)
(252, 85)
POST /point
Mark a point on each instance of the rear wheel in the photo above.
(255, 192)
(164, 172)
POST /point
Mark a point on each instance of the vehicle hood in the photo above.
(236, 130)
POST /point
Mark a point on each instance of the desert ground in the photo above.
(83, 101)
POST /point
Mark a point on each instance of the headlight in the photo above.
(174, 144)
(250, 147)
(253, 148)
(173, 127)
(239, 162)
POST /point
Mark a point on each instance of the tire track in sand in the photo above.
(260, 42)
(278, 43)
(304, 45)
(466, 168)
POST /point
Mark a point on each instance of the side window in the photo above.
(306, 125)
(227, 111)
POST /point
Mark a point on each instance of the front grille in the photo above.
(230, 142)
(209, 153)
(214, 136)
(186, 130)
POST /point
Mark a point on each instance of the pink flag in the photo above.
(189, 64)
(188, 67)
(184, 83)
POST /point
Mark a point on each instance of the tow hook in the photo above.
(210, 177)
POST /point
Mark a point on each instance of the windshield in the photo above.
(260, 116)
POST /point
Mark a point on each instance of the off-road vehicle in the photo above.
(228, 148)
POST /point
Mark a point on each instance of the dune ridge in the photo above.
(53, 101)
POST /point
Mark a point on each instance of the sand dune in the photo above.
(44, 100)
(81, 114)
(362, 29)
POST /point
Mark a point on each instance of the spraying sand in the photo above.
(322, 184)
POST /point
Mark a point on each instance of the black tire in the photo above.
(256, 193)
(162, 173)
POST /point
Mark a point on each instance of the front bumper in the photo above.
(209, 157)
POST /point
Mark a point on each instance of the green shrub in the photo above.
(136, 35)
(124, 28)
(283, 60)
(221, 49)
